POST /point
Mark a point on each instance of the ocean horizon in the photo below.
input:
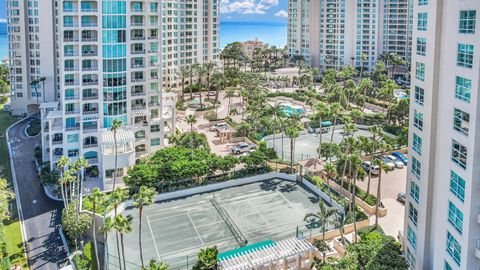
(272, 33)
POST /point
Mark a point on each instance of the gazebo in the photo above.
(269, 255)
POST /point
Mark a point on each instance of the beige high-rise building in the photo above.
(442, 224)
(335, 33)
(106, 60)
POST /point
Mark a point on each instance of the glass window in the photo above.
(455, 217)
(461, 121)
(419, 95)
(414, 191)
(155, 142)
(421, 46)
(412, 237)
(467, 21)
(447, 266)
(422, 2)
(422, 21)
(417, 144)
(154, 128)
(410, 259)
(465, 55)
(416, 167)
(457, 186)
(459, 154)
(73, 153)
(463, 88)
(454, 248)
(72, 138)
(418, 119)
(420, 71)
(412, 213)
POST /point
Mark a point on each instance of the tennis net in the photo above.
(237, 234)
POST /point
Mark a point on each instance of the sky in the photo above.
(234, 10)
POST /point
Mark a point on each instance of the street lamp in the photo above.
(35, 83)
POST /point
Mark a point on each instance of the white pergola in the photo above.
(270, 256)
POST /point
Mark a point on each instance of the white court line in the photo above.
(256, 210)
(288, 202)
(193, 224)
(153, 239)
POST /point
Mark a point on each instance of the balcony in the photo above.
(92, 161)
(90, 129)
(71, 83)
(89, 39)
(89, 24)
(71, 68)
(77, 127)
(72, 112)
(91, 145)
(70, 25)
(138, 38)
(70, 9)
(134, 66)
(136, 94)
(138, 52)
(89, 53)
(137, 80)
(74, 97)
(90, 112)
(94, 68)
(90, 97)
(138, 107)
(70, 39)
(137, 24)
(90, 9)
(153, 37)
(57, 142)
(91, 82)
(70, 54)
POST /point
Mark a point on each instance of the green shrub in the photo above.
(372, 228)
(180, 105)
(210, 116)
(3, 100)
(34, 127)
(89, 254)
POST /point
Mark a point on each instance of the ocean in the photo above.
(273, 33)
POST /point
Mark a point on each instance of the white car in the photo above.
(220, 126)
(367, 167)
(387, 162)
(398, 163)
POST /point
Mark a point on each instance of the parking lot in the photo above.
(393, 182)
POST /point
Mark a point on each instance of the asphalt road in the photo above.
(42, 216)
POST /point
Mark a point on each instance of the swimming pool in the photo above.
(288, 110)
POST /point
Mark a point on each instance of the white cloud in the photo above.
(3, 20)
(282, 13)
(247, 6)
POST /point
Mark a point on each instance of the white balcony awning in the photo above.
(45, 105)
(124, 136)
(140, 113)
(54, 114)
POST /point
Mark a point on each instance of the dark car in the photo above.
(402, 157)
(401, 197)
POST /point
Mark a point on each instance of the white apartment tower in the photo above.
(334, 33)
(113, 59)
(442, 224)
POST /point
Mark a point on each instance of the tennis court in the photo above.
(174, 231)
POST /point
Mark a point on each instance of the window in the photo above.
(465, 55)
(414, 191)
(410, 259)
(455, 217)
(72, 138)
(457, 186)
(459, 154)
(419, 95)
(416, 167)
(447, 266)
(154, 128)
(412, 213)
(422, 2)
(463, 88)
(417, 143)
(421, 46)
(418, 119)
(155, 142)
(467, 21)
(73, 153)
(461, 121)
(420, 71)
(454, 248)
(412, 237)
(422, 21)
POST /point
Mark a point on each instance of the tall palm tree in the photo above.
(292, 133)
(200, 71)
(116, 125)
(79, 165)
(382, 167)
(191, 119)
(153, 265)
(323, 111)
(323, 217)
(144, 197)
(192, 69)
(116, 198)
(62, 163)
(218, 81)
(123, 225)
(376, 131)
(355, 161)
(183, 74)
(335, 110)
(276, 110)
(229, 93)
(108, 226)
(331, 173)
(98, 198)
(209, 68)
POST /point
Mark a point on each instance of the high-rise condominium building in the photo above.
(334, 33)
(442, 224)
(106, 60)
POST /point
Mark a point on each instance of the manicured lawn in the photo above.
(12, 232)
(33, 128)
(15, 249)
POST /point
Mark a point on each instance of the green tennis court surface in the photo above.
(174, 231)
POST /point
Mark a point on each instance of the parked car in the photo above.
(390, 165)
(401, 197)
(402, 157)
(367, 167)
(243, 148)
(219, 126)
(396, 161)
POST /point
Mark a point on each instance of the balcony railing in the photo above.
(70, 39)
(138, 52)
(89, 9)
(70, 54)
(72, 128)
(90, 83)
(75, 97)
(153, 37)
(56, 142)
(92, 161)
(139, 107)
(71, 68)
(135, 94)
(138, 66)
(137, 24)
(70, 83)
(92, 97)
(72, 112)
(87, 130)
(68, 10)
(70, 25)
(138, 38)
(138, 80)
(89, 112)
(95, 68)
(137, 9)
(89, 39)
(89, 24)
(89, 53)
(91, 145)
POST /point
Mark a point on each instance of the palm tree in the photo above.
(191, 120)
(78, 166)
(61, 164)
(145, 196)
(207, 259)
(323, 217)
(97, 199)
(209, 68)
(323, 111)
(123, 225)
(116, 124)
(116, 198)
(218, 81)
(153, 265)
(183, 74)
(108, 225)
(335, 109)
(229, 93)
(331, 173)
(382, 167)
(191, 71)
(276, 110)
(200, 71)
(66, 180)
(355, 163)
(292, 133)
(375, 131)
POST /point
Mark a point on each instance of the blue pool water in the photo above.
(288, 110)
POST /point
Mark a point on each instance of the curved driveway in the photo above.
(41, 216)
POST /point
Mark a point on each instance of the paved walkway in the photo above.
(41, 215)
